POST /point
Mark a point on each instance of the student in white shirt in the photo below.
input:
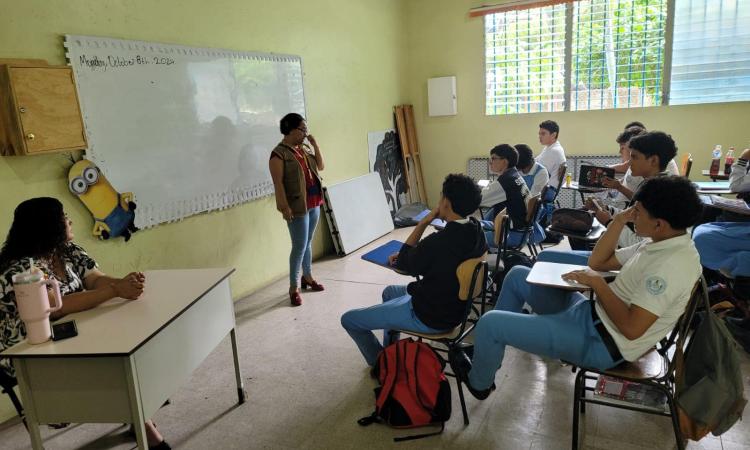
(553, 154)
(628, 317)
(629, 183)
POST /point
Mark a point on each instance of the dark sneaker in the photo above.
(461, 366)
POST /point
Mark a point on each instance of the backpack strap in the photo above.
(420, 436)
(391, 361)
(369, 420)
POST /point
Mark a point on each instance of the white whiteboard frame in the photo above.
(196, 195)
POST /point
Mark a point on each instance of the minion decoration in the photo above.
(114, 213)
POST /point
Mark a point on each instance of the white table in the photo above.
(129, 356)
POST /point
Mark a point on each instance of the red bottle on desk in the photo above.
(715, 160)
(728, 161)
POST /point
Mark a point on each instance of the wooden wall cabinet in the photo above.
(39, 110)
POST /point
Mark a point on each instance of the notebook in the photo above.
(380, 255)
(592, 176)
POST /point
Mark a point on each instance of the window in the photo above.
(711, 52)
(601, 54)
(525, 60)
(617, 53)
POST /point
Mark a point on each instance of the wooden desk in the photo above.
(550, 275)
(719, 176)
(129, 356)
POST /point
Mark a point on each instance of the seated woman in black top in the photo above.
(431, 304)
(42, 231)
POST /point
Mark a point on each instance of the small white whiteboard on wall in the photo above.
(357, 212)
(185, 129)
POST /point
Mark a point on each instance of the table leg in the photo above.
(136, 410)
(28, 404)
(237, 374)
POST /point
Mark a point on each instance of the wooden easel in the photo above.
(410, 152)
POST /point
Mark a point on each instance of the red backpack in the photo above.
(413, 390)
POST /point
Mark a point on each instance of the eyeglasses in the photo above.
(304, 130)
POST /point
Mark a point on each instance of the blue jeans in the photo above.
(724, 245)
(579, 257)
(561, 328)
(301, 230)
(395, 312)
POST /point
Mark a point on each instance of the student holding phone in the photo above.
(294, 169)
(41, 230)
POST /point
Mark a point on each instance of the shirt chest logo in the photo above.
(656, 285)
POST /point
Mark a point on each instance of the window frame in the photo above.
(666, 69)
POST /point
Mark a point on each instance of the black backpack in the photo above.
(511, 259)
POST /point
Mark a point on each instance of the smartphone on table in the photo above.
(64, 330)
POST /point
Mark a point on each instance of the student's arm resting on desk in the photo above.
(99, 289)
(276, 166)
(631, 320)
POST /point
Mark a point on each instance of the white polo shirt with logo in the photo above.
(658, 277)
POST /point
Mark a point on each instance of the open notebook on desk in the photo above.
(550, 275)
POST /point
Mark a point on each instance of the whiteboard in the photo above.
(185, 129)
(357, 212)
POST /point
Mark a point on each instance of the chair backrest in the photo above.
(471, 278)
(532, 208)
(560, 178)
(500, 220)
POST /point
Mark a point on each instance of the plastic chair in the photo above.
(656, 369)
(472, 276)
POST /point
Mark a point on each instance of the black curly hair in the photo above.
(38, 230)
(655, 143)
(463, 194)
(669, 198)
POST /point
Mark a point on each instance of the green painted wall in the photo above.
(354, 64)
(444, 41)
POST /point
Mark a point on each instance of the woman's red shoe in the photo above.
(295, 298)
(312, 284)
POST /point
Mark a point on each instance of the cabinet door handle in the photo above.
(30, 136)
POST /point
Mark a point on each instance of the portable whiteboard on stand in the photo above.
(357, 212)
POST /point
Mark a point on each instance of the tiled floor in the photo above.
(308, 385)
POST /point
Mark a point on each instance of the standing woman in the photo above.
(294, 168)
